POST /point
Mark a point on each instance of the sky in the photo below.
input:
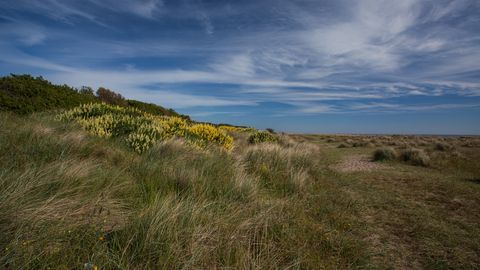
(298, 66)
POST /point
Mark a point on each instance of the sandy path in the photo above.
(359, 163)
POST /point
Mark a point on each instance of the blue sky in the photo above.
(311, 66)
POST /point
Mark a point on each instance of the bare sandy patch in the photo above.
(359, 163)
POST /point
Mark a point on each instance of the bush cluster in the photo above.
(259, 137)
(24, 94)
(232, 128)
(210, 133)
(143, 130)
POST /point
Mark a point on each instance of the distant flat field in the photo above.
(421, 205)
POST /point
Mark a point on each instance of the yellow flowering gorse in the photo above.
(210, 133)
(143, 130)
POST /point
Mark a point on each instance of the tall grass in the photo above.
(73, 200)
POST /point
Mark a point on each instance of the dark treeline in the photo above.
(24, 94)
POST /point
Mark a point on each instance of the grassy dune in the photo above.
(70, 200)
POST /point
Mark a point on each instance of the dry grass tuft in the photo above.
(384, 154)
(415, 157)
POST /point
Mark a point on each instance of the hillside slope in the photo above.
(24, 94)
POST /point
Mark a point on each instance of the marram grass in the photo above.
(95, 203)
(72, 200)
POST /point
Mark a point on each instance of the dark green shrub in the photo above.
(24, 94)
(384, 154)
(342, 145)
(259, 137)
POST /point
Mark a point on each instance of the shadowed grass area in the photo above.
(70, 200)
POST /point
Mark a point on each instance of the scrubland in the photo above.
(73, 200)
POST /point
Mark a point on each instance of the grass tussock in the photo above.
(386, 154)
(415, 157)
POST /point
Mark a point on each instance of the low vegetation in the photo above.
(79, 189)
(384, 154)
(143, 130)
(259, 137)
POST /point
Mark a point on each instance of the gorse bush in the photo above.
(143, 130)
(261, 137)
(231, 128)
(210, 133)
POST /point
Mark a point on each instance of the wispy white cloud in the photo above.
(23, 33)
(178, 100)
(368, 40)
(373, 105)
(238, 65)
(206, 22)
(439, 107)
(310, 108)
(347, 56)
(145, 8)
(55, 9)
(416, 92)
(15, 56)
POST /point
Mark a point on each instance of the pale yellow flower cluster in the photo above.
(247, 129)
(86, 111)
(144, 130)
(140, 142)
(210, 133)
(229, 128)
(173, 126)
(100, 126)
(159, 129)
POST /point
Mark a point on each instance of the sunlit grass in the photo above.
(73, 200)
